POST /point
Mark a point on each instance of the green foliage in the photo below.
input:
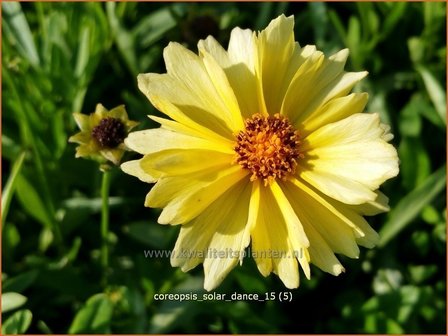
(11, 301)
(18, 323)
(60, 58)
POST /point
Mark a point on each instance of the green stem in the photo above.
(105, 184)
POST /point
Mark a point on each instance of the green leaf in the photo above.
(387, 280)
(338, 25)
(435, 91)
(416, 48)
(151, 234)
(412, 150)
(124, 39)
(318, 12)
(32, 202)
(43, 327)
(46, 237)
(11, 239)
(393, 17)
(11, 301)
(20, 282)
(410, 119)
(422, 273)
(20, 31)
(172, 313)
(153, 27)
(82, 58)
(94, 317)
(18, 323)
(354, 33)
(264, 15)
(10, 186)
(411, 205)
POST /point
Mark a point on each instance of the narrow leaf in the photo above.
(8, 191)
(31, 201)
(411, 205)
(435, 91)
(20, 30)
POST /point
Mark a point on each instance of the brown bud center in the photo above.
(109, 133)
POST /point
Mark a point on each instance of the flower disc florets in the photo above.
(109, 133)
(268, 147)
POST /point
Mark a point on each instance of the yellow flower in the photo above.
(265, 147)
(102, 134)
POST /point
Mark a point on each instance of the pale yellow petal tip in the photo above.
(290, 282)
(100, 110)
(211, 282)
(134, 168)
(282, 20)
(338, 269)
(82, 120)
(340, 56)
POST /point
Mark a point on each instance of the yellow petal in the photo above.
(194, 198)
(188, 69)
(118, 112)
(316, 94)
(175, 126)
(321, 254)
(239, 66)
(379, 205)
(275, 48)
(100, 112)
(303, 86)
(241, 73)
(84, 150)
(81, 137)
(83, 121)
(228, 241)
(339, 188)
(158, 139)
(254, 209)
(194, 238)
(113, 155)
(338, 235)
(242, 48)
(327, 202)
(211, 46)
(296, 234)
(174, 162)
(317, 81)
(270, 240)
(370, 237)
(261, 242)
(195, 109)
(224, 90)
(134, 168)
(348, 214)
(335, 110)
(348, 159)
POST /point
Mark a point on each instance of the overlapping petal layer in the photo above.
(307, 217)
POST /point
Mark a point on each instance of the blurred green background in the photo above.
(59, 58)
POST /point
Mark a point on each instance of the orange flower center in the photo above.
(268, 147)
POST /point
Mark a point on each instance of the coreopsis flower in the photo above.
(102, 134)
(265, 146)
